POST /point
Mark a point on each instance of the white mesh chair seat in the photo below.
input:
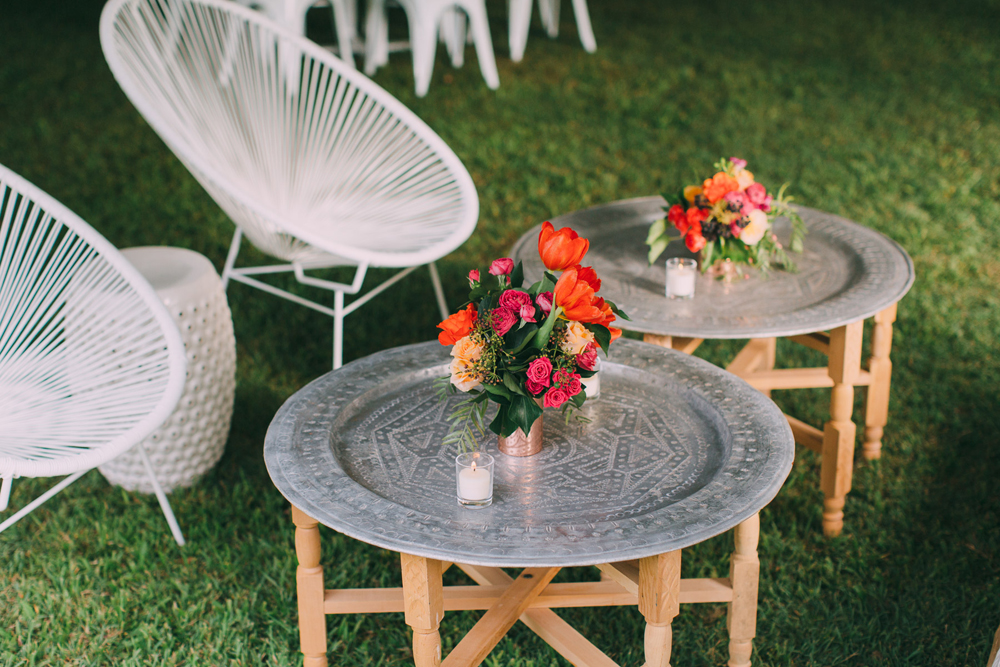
(90, 361)
(315, 163)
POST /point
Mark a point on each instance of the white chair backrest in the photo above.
(90, 360)
(293, 144)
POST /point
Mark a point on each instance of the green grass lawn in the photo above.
(887, 113)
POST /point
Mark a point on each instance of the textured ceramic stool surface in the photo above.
(193, 439)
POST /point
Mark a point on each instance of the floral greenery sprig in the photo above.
(520, 346)
(730, 216)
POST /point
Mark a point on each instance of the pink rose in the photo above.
(561, 377)
(502, 266)
(757, 194)
(735, 229)
(740, 202)
(534, 388)
(544, 301)
(514, 299)
(503, 319)
(587, 360)
(540, 370)
(554, 398)
(528, 313)
(574, 386)
(738, 164)
(473, 276)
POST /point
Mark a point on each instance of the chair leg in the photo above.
(519, 22)
(338, 330)
(438, 291)
(549, 9)
(484, 43)
(423, 41)
(234, 250)
(168, 512)
(345, 32)
(453, 29)
(34, 504)
(376, 29)
(583, 26)
(8, 481)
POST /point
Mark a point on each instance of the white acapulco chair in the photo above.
(90, 360)
(426, 18)
(292, 15)
(315, 163)
(520, 20)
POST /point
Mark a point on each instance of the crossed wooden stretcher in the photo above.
(654, 584)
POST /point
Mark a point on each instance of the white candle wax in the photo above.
(680, 282)
(475, 483)
(592, 386)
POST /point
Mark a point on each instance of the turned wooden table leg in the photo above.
(310, 590)
(659, 602)
(423, 600)
(744, 573)
(839, 432)
(880, 367)
(656, 339)
(769, 357)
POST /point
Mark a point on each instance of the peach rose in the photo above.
(467, 349)
(755, 231)
(744, 179)
(464, 375)
(577, 338)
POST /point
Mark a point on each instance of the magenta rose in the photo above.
(514, 299)
(735, 229)
(740, 201)
(757, 194)
(561, 377)
(738, 163)
(573, 386)
(534, 388)
(473, 277)
(555, 397)
(540, 370)
(587, 360)
(544, 301)
(503, 319)
(502, 266)
(528, 313)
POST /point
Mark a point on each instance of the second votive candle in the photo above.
(681, 276)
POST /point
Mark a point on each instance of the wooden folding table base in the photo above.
(654, 584)
(835, 443)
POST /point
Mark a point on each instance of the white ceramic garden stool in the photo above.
(193, 438)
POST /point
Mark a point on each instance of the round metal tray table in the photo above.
(846, 273)
(677, 451)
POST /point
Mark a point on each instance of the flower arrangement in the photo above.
(519, 347)
(729, 217)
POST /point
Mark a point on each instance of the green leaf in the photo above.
(512, 384)
(523, 412)
(656, 230)
(497, 390)
(520, 338)
(602, 334)
(542, 337)
(656, 248)
(517, 276)
(617, 311)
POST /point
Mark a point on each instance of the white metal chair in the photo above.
(426, 18)
(90, 361)
(316, 164)
(520, 20)
(292, 15)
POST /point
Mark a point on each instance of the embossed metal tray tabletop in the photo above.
(846, 273)
(677, 451)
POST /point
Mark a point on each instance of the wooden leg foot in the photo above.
(423, 604)
(744, 574)
(659, 602)
(880, 367)
(310, 590)
(833, 516)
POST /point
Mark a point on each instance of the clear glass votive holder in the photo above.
(592, 385)
(474, 479)
(682, 273)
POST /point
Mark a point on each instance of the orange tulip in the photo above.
(561, 250)
(457, 326)
(716, 187)
(574, 293)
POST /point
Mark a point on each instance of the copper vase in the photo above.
(519, 444)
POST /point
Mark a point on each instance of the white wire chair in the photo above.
(520, 20)
(90, 360)
(314, 163)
